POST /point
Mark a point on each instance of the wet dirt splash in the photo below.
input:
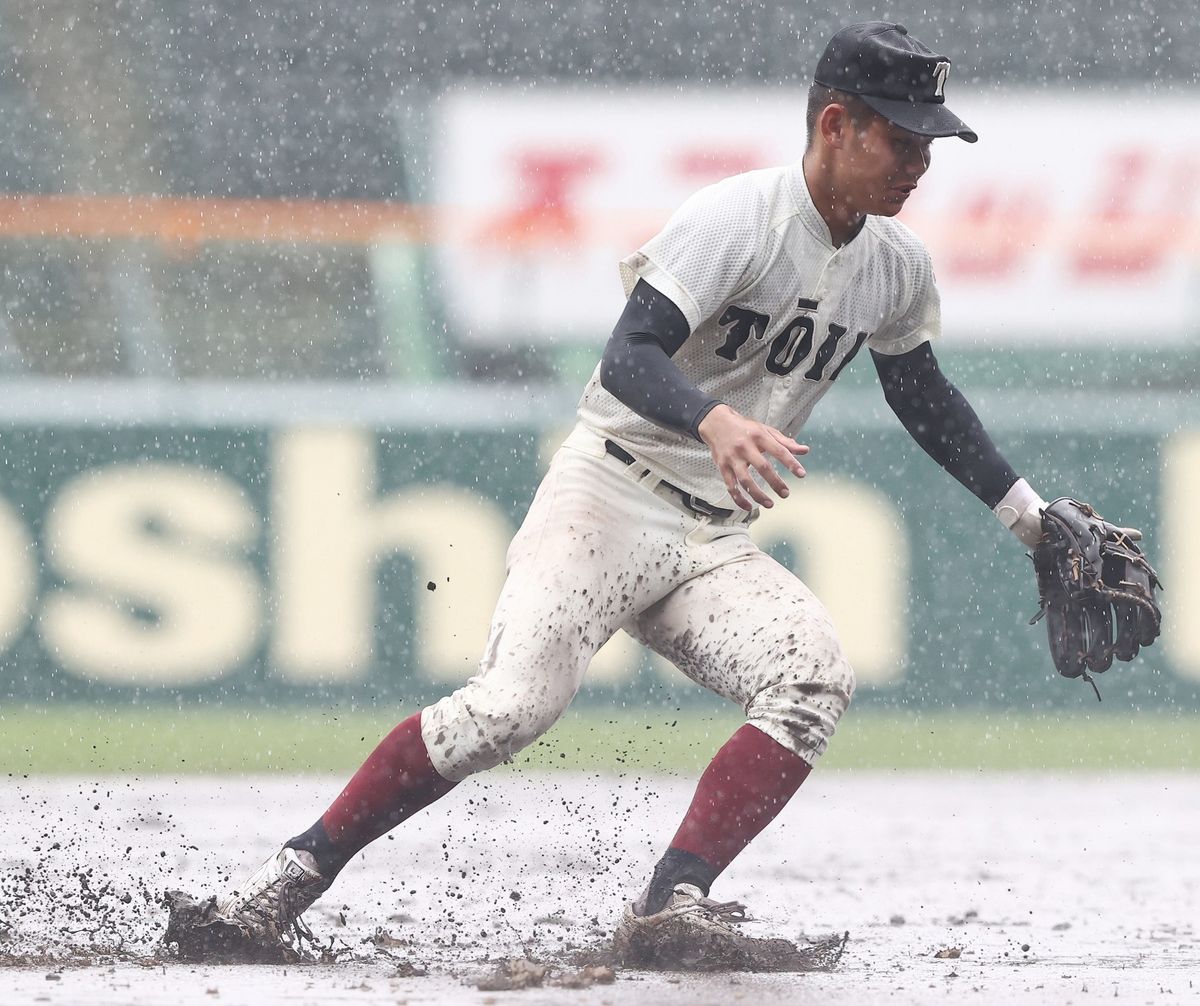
(676, 946)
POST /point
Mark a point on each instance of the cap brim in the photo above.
(921, 117)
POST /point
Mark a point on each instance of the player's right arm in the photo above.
(741, 446)
(714, 245)
(638, 371)
(637, 368)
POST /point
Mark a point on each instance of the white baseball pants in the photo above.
(599, 551)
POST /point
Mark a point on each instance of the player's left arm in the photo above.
(1096, 587)
(940, 419)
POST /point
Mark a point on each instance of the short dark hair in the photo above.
(821, 97)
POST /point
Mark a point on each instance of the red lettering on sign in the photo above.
(547, 215)
(993, 232)
(1121, 239)
(713, 165)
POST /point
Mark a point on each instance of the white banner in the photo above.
(1073, 220)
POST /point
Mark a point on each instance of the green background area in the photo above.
(970, 588)
(87, 741)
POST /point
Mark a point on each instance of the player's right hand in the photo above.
(741, 447)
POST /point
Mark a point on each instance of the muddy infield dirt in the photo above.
(954, 887)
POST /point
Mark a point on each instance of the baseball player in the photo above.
(741, 314)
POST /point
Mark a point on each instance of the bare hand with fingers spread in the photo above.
(740, 447)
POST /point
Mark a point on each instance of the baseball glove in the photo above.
(1096, 590)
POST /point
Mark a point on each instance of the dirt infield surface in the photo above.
(954, 887)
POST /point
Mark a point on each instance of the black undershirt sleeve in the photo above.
(637, 369)
(941, 420)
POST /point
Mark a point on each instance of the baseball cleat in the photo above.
(268, 906)
(695, 933)
(679, 935)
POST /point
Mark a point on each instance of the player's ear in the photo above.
(834, 125)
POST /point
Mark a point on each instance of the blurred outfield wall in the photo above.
(1056, 235)
(1055, 229)
(262, 559)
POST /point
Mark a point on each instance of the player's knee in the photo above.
(473, 730)
(800, 705)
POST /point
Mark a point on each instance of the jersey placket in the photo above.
(780, 404)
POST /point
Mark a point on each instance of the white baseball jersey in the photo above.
(775, 311)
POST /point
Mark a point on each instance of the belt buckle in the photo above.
(697, 505)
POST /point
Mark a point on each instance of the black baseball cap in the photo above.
(893, 73)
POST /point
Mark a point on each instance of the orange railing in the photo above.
(977, 241)
(192, 220)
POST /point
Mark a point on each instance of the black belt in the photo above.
(695, 504)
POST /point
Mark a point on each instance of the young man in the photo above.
(741, 314)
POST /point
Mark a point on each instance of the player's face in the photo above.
(883, 164)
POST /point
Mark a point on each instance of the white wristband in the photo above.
(1021, 512)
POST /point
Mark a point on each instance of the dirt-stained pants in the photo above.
(600, 551)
